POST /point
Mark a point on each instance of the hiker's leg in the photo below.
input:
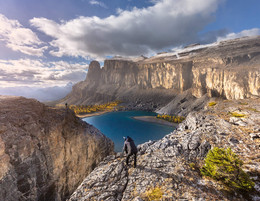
(134, 159)
(127, 158)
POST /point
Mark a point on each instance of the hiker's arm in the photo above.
(124, 148)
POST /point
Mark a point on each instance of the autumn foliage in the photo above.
(174, 119)
(85, 109)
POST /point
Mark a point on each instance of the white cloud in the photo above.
(19, 38)
(249, 32)
(139, 31)
(98, 3)
(44, 81)
(27, 50)
(37, 73)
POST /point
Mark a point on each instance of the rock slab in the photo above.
(45, 153)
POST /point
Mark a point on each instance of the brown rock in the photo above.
(45, 153)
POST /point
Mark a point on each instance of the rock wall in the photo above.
(44, 152)
(229, 69)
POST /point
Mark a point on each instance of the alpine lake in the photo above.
(116, 125)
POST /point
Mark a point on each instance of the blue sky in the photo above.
(46, 46)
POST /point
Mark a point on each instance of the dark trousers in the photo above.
(128, 156)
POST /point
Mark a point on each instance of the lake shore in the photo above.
(92, 114)
(153, 119)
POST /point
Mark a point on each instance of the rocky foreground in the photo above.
(171, 165)
(45, 153)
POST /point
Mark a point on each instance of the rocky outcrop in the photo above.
(45, 153)
(229, 69)
(172, 163)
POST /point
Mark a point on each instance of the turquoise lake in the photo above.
(116, 125)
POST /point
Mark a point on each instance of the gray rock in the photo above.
(233, 140)
(237, 121)
(254, 136)
(167, 164)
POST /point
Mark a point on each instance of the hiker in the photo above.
(130, 149)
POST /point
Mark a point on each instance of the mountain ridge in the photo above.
(229, 70)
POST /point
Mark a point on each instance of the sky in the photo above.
(46, 46)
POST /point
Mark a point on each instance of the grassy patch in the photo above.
(239, 115)
(225, 166)
(243, 103)
(212, 104)
(252, 109)
(153, 194)
(192, 166)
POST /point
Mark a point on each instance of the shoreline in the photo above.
(82, 116)
(153, 119)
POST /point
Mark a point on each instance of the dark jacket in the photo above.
(129, 146)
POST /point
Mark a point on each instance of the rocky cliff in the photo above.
(169, 168)
(228, 69)
(44, 152)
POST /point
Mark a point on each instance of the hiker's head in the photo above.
(129, 139)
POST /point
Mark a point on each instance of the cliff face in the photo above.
(230, 69)
(171, 165)
(45, 153)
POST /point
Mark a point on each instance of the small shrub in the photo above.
(235, 114)
(192, 166)
(243, 103)
(252, 109)
(225, 166)
(154, 194)
(212, 104)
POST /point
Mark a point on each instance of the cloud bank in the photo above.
(138, 31)
(21, 39)
(45, 81)
(37, 73)
(249, 32)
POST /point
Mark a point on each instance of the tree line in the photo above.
(85, 109)
(170, 118)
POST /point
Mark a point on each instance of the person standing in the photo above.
(130, 149)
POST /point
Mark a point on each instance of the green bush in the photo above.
(225, 166)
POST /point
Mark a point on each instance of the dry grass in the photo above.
(154, 194)
(212, 104)
(239, 115)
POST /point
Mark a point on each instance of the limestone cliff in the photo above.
(44, 152)
(171, 165)
(229, 69)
